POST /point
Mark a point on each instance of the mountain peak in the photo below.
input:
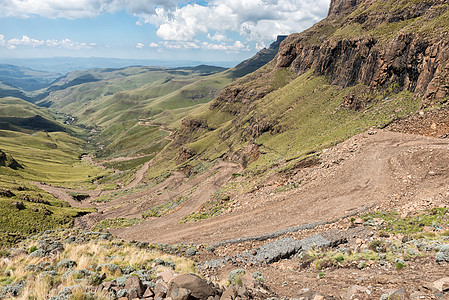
(338, 6)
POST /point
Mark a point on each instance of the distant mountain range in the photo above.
(65, 65)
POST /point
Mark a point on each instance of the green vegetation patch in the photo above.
(164, 208)
(116, 223)
(129, 164)
(434, 218)
(210, 209)
(20, 218)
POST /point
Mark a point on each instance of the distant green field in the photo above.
(38, 156)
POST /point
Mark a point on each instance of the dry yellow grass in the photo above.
(88, 256)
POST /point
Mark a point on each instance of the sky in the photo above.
(216, 30)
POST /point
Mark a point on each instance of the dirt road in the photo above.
(386, 169)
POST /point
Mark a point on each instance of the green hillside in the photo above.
(36, 147)
(319, 90)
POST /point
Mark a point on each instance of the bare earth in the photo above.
(380, 169)
(385, 169)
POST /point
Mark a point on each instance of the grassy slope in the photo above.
(304, 114)
(53, 158)
(116, 99)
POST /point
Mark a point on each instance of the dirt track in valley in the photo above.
(385, 169)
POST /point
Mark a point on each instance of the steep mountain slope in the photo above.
(134, 110)
(367, 64)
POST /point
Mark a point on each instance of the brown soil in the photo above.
(387, 169)
(384, 169)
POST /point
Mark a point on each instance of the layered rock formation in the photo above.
(400, 45)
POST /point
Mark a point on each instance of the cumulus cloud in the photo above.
(140, 45)
(153, 45)
(73, 9)
(2, 40)
(217, 37)
(256, 20)
(236, 47)
(184, 22)
(31, 42)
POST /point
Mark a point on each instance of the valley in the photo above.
(317, 169)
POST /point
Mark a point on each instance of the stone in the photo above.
(399, 294)
(359, 221)
(166, 276)
(441, 285)
(134, 286)
(318, 297)
(180, 294)
(199, 287)
(148, 293)
(230, 293)
(19, 205)
(417, 296)
(355, 290)
(160, 289)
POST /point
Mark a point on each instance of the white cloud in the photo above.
(140, 45)
(236, 47)
(31, 42)
(256, 20)
(2, 40)
(73, 9)
(153, 45)
(260, 46)
(181, 45)
(25, 41)
(217, 37)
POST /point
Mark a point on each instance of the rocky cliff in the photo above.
(403, 45)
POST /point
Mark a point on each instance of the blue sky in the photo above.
(218, 30)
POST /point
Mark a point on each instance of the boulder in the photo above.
(230, 293)
(134, 286)
(166, 276)
(198, 287)
(19, 205)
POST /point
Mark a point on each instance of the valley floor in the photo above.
(377, 171)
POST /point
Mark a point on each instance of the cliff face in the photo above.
(408, 61)
(403, 45)
(360, 58)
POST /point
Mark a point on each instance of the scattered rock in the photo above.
(399, 294)
(19, 205)
(441, 285)
(134, 286)
(6, 193)
(198, 287)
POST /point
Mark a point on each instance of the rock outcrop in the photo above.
(350, 49)
(339, 6)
